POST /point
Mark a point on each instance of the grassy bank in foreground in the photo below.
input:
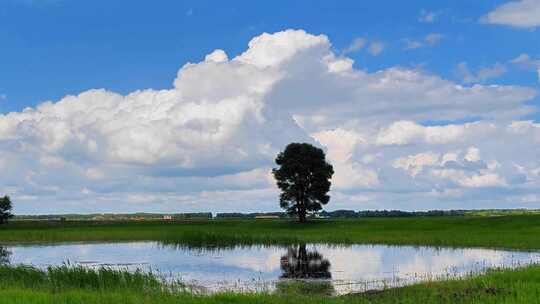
(75, 285)
(518, 232)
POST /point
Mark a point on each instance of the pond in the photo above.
(342, 269)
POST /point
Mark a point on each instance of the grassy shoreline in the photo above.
(78, 285)
(510, 232)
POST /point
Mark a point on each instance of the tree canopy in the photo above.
(304, 177)
(5, 209)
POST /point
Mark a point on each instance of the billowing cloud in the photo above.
(408, 132)
(468, 171)
(415, 163)
(521, 14)
(341, 145)
(209, 141)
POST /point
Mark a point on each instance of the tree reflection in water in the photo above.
(300, 263)
(308, 270)
(4, 255)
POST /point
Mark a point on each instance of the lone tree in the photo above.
(304, 179)
(5, 209)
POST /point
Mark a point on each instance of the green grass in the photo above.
(516, 231)
(503, 212)
(76, 285)
(79, 285)
(66, 277)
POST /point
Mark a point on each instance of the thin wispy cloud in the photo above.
(520, 14)
(375, 48)
(525, 61)
(428, 16)
(433, 38)
(482, 75)
(356, 45)
(429, 40)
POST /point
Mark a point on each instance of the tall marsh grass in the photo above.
(28, 285)
(65, 277)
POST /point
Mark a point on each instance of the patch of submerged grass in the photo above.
(210, 240)
(298, 287)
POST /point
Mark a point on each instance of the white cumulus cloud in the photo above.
(209, 141)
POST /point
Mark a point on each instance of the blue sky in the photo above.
(469, 66)
(60, 47)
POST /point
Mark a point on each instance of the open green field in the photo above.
(515, 232)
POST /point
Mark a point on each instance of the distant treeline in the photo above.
(237, 215)
(116, 216)
(399, 213)
(252, 215)
(350, 214)
(389, 213)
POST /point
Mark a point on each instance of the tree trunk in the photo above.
(302, 215)
(301, 207)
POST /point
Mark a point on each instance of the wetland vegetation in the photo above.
(511, 232)
(75, 285)
(25, 284)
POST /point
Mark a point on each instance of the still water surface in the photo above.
(260, 268)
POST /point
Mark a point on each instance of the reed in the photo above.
(66, 277)
(20, 284)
